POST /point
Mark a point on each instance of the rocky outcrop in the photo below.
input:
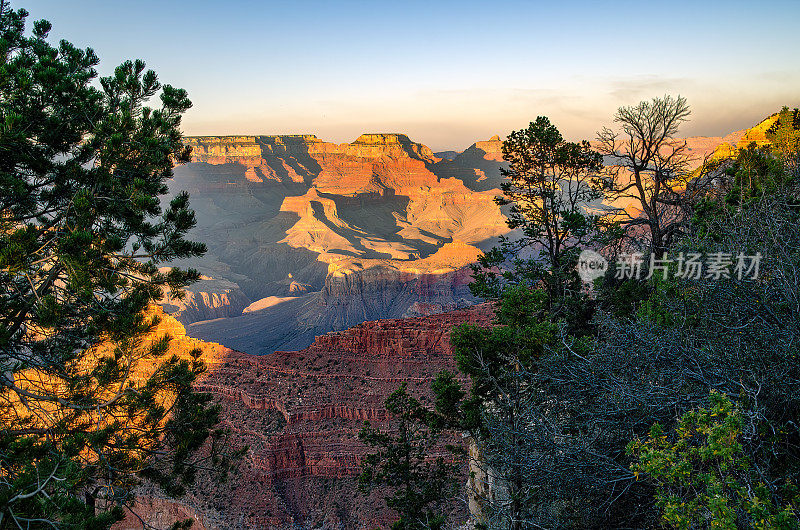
(297, 288)
(353, 296)
(299, 414)
(478, 166)
(159, 512)
(207, 299)
(395, 145)
(266, 158)
(741, 139)
(410, 338)
(322, 395)
(299, 158)
(290, 216)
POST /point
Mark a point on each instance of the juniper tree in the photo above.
(88, 403)
(702, 475)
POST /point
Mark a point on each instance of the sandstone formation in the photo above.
(741, 139)
(207, 299)
(292, 216)
(299, 413)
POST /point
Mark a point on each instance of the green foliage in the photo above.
(520, 337)
(621, 297)
(448, 396)
(420, 484)
(549, 184)
(499, 360)
(784, 137)
(88, 404)
(702, 475)
(553, 405)
(666, 298)
(756, 172)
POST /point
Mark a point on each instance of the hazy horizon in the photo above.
(445, 73)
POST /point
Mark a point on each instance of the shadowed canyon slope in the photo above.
(307, 236)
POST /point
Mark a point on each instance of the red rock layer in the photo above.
(300, 413)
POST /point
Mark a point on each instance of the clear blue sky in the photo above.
(445, 72)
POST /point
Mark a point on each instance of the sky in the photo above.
(446, 73)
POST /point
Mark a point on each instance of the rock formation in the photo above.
(207, 299)
(478, 166)
(299, 413)
(293, 216)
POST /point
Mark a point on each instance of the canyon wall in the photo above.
(330, 234)
(346, 299)
(299, 414)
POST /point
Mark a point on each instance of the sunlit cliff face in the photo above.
(381, 199)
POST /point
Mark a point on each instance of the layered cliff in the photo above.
(742, 139)
(300, 158)
(347, 298)
(280, 212)
(382, 196)
(207, 299)
(478, 166)
(299, 413)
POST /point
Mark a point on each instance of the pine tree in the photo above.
(88, 404)
(553, 192)
(419, 482)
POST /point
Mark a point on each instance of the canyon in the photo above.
(349, 266)
(299, 414)
(306, 236)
